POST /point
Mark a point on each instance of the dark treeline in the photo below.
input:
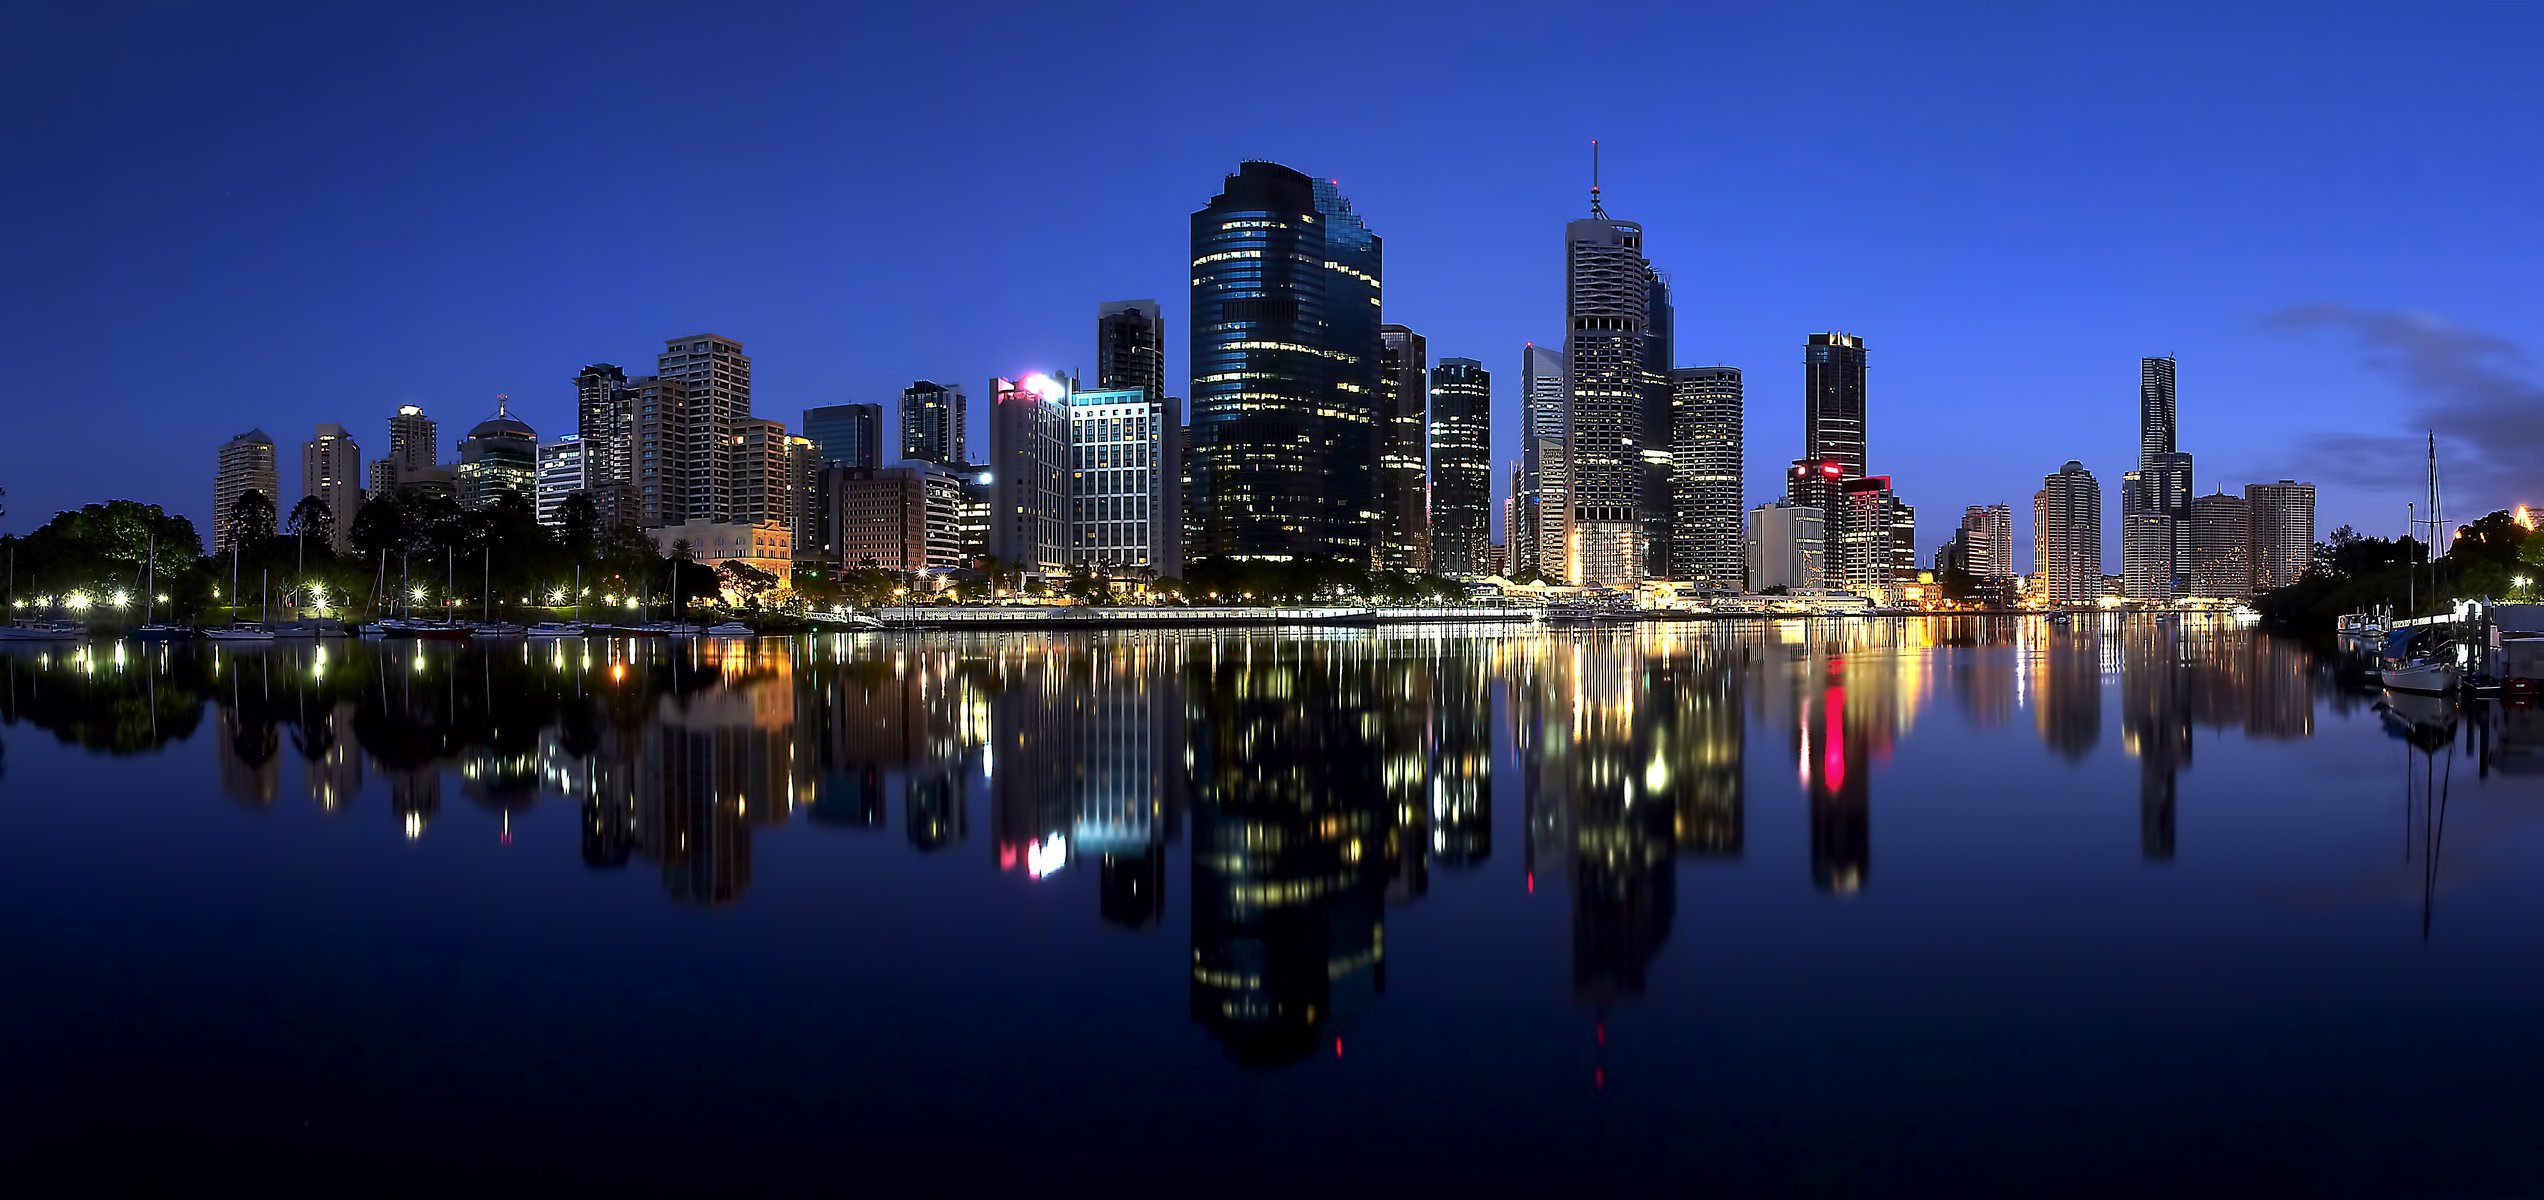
(2354, 573)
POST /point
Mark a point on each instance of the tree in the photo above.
(251, 518)
(312, 521)
(1087, 587)
(579, 527)
(381, 526)
(747, 581)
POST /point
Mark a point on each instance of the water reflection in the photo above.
(1323, 778)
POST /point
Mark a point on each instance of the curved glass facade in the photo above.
(1285, 356)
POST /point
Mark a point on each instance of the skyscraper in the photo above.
(412, 448)
(1130, 347)
(2067, 537)
(1833, 421)
(1461, 466)
(2156, 427)
(932, 420)
(1705, 446)
(1609, 287)
(1285, 365)
(499, 457)
(717, 377)
(764, 472)
(2221, 547)
(1125, 481)
(1991, 540)
(246, 464)
(1404, 372)
(1030, 463)
(1864, 518)
(846, 435)
(1545, 505)
(605, 430)
(331, 470)
(563, 464)
(2282, 531)
(1654, 444)
(660, 462)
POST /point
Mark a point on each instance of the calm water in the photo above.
(1860, 908)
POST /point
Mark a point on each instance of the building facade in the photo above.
(880, 517)
(2067, 537)
(1608, 291)
(1404, 372)
(1705, 449)
(846, 435)
(331, 470)
(2221, 539)
(1130, 347)
(412, 448)
(2282, 532)
(563, 467)
(661, 458)
(605, 428)
(1834, 426)
(245, 464)
(1461, 467)
(1125, 482)
(1787, 548)
(764, 545)
(716, 377)
(1543, 506)
(1862, 526)
(1285, 367)
(499, 457)
(933, 416)
(1030, 464)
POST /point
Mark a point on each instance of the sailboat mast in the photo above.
(150, 580)
(489, 583)
(233, 581)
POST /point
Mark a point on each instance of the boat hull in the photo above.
(2428, 679)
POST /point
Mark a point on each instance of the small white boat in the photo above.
(2421, 675)
(238, 633)
(498, 629)
(161, 631)
(555, 629)
(731, 629)
(42, 631)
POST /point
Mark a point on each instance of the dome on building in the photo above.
(503, 425)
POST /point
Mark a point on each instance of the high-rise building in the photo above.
(1029, 462)
(717, 377)
(331, 470)
(1543, 505)
(810, 521)
(2282, 532)
(1125, 481)
(412, 448)
(880, 516)
(1285, 366)
(846, 435)
(1863, 527)
(1833, 420)
(1991, 540)
(2221, 547)
(1787, 547)
(246, 464)
(1705, 448)
(2067, 537)
(1461, 466)
(660, 463)
(2148, 570)
(563, 467)
(1609, 287)
(2157, 427)
(763, 472)
(1404, 371)
(932, 419)
(1130, 347)
(605, 425)
(499, 457)
(1655, 446)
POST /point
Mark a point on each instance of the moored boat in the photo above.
(555, 629)
(43, 631)
(251, 632)
(731, 629)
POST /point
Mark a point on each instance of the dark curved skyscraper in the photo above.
(1285, 354)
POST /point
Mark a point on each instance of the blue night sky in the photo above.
(228, 215)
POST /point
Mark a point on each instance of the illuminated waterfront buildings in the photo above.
(246, 464)
(2282, 531)
(1404, 525)
(1705, 483)
(2067, 537)
(1461, 467)
(331, 470)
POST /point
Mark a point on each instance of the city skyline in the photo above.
(2276, 387)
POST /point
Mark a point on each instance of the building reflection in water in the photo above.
(1323, 776)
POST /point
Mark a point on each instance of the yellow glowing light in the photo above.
(76, 602)
(120, 598)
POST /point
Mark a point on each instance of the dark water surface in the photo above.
(1866, 907)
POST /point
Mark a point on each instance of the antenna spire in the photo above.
(1595, 209)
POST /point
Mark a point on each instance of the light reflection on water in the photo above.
(1427, 843)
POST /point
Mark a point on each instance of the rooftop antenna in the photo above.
(1595, 209)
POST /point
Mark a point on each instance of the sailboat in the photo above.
(489, 626)
(32, 631)
(235, 632)
(2409, 667)
(151, 628)
(446, 629)
(573, 628)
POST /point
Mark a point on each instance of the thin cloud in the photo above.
(2477, 391)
